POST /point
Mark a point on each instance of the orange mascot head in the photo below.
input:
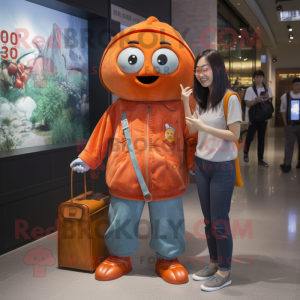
(147, 62)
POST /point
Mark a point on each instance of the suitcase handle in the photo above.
(84, 185)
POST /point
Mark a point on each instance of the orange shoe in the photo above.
(113, 267)
(171, 271)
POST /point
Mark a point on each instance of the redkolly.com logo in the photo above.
(39, 258)
(74, 230)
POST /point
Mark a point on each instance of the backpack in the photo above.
(255, 91)
(288, 109)
(261, 111)
(238, 180)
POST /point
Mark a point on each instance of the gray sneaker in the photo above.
(205, 273)
(215, 283)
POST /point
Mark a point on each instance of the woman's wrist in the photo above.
(187, 109)
(186, 102)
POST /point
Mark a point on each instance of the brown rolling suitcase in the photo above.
(82, 223)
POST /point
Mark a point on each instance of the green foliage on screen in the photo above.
(51, 103)
(64, 131)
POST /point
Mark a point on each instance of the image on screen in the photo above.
(295, 110)
(44, 95)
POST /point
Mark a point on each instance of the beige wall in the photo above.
(288, 56)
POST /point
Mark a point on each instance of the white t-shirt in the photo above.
(283, 101)
(250, 96)
(210, 147)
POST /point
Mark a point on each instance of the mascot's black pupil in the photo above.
(132, 59)
(162, 59)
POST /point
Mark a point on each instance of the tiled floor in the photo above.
(266, 263)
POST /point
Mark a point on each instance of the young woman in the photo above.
(214, 160)
(262, 93)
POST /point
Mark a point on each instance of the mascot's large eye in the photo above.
(131, 60)
(165, 61)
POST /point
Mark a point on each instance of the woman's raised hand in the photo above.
(185, 93)
(195, 125)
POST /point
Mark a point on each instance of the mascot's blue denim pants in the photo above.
(167, 227)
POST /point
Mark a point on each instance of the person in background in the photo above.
(264, 93)
(292, 128)
(236, 81)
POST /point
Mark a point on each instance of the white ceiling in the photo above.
(279, 29)
(273, 32)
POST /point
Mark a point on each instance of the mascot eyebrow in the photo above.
(162, 42)
(165, 43)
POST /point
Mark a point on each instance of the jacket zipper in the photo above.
(147, 144)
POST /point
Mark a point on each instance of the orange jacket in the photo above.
(164, 163)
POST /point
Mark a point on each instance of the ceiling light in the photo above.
(245, 59)
(279, 8)
(289, 41)
(274, 60)
(240, 36)
(289, 28)
(291, 36)
(289, 15)
(240, 57)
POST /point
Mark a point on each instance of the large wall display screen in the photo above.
(44, 96)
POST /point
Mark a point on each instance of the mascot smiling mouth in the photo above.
(147, 79)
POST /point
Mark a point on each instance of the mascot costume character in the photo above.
(150, 149)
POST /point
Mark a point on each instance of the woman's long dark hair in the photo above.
(220, 80)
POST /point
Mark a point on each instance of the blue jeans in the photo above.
(215, 184)
(167, 227)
